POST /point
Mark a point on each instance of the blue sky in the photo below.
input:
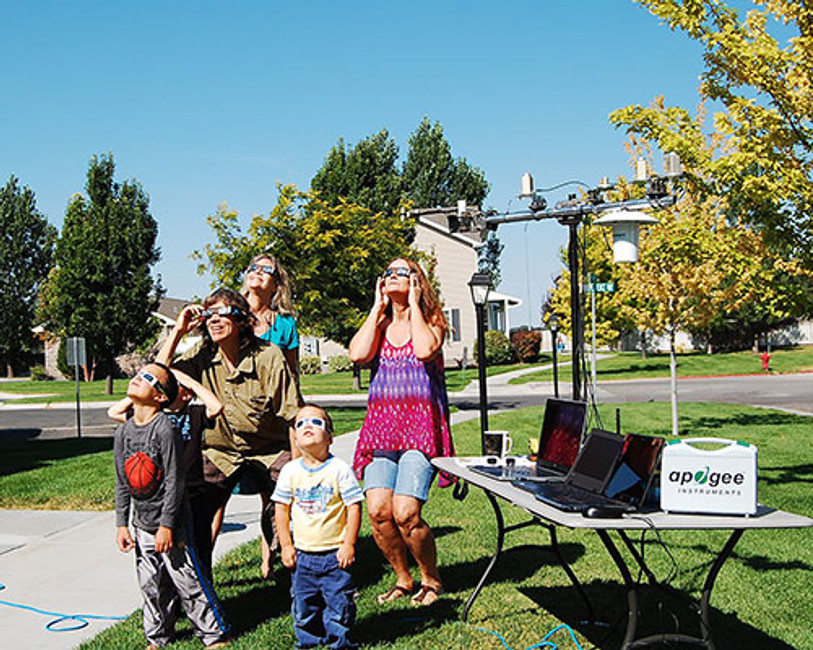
(208, 102)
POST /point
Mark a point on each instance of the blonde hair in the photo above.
(281, 301)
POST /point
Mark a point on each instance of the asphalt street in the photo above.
(788, 392)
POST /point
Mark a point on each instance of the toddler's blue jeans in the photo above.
(322, 604)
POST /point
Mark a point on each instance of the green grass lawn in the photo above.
(761, 601)
(630, 365)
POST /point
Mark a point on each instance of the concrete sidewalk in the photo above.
(67, 562)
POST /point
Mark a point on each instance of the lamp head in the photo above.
(625, 225)
(480, 285)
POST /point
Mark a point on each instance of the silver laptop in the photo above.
(587, 478)
(559, 441)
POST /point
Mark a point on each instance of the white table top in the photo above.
(764, 518)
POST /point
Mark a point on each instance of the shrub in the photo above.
(526, 345)
(498, 348)
(340, 363)
(310, 364)
(39, 373)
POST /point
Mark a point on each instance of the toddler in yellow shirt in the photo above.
(318, 514)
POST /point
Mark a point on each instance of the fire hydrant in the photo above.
(765, 357)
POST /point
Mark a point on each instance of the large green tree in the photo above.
(365, 174)
(25, 256)
(101, 287)
(333, 253)
(758, 66)
(432, 177)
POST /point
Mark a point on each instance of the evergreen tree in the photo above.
(25, 256)
(101, 287)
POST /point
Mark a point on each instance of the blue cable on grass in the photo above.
(82, 620)
(544, 643)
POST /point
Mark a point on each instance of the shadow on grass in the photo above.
(388, 625)
(254, 607)
(745, 420)
(786, 474)
(644, 368)
(659, 613)
(514, 565)
(23, 455)
(755, 562)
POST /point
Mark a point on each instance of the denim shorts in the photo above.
(405, 472)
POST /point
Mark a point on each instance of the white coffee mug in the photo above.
(497, 443)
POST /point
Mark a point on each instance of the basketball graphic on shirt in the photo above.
(143, 475)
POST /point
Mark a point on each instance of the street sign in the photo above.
(75, 351)
(75, 356)
(600, 287)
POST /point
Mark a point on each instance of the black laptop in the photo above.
(587, 478)
(559, 441)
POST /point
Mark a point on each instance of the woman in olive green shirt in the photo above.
(251, 378)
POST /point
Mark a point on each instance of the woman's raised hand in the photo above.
(381, 298)
(414, 291)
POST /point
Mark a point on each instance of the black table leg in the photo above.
(629, 583)
(573, 579)
(630, 642)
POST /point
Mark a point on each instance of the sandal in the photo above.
(393, 593)
(427, 595)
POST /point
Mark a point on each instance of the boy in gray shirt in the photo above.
(150, 483)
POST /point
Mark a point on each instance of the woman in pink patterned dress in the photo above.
(407, 422)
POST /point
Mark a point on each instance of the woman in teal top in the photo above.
(268, 292)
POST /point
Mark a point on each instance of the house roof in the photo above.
(437, 221)
(510, 301)
(169, 308)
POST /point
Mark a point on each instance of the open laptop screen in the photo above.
(562, 429)
(637, 463)
(596, 461)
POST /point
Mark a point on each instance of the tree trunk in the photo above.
(356, 377)
(673, 383)
(108, 385)
(9, 371)
(643, 344)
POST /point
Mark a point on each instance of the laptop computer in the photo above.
(587, 478)
(634, 472)
(559, 441)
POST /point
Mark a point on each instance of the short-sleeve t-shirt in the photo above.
(282, 333)
(318, 497)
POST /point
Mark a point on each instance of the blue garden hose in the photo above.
(60, 622)
(544, 643)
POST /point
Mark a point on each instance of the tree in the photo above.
(703, 260)
(366, 175)
(765, 86)
(333, 252)
(100, 287)
(25, 256)
(433, 178)
(488, 258)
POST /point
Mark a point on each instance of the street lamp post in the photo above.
(553, 324)
(480, 285)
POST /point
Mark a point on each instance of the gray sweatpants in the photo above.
(165, 577)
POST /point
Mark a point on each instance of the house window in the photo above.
(453, 320)
(455, 323)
